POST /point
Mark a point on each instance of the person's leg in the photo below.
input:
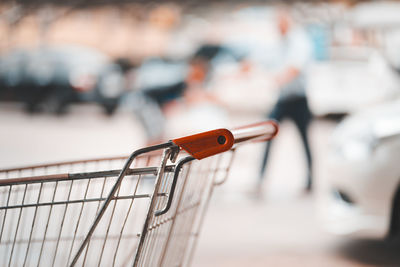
(264, 160)
(277, 114)
(302, 118)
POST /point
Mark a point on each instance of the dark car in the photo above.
(53, 77)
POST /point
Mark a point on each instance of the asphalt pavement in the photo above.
(278, 229)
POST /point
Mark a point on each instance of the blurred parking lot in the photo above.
(93, 79)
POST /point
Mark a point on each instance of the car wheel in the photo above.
(32, 98)
(110, 108)
(395, 220)
(55, 105)
(31, 107)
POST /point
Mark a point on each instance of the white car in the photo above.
(351, 85)
(360, 196)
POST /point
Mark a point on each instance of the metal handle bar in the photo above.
(256, 132)
(199, 146)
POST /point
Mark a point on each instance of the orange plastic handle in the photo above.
(209, 143)
(206, 144)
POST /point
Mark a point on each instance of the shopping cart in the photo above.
(141, 210)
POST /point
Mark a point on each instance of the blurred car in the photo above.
(361, 195)
(160, 83)
(354, 80)
(55, 76)
(161, 79)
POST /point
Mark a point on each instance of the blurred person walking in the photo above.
(293, 55)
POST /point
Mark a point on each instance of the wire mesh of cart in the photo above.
(145, 209)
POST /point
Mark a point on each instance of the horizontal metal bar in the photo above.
(74, 162)
(78, 201)
(69, 238)
(114, 173)
(63, 163)
(80, 176)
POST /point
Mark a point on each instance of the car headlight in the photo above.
(354, 145)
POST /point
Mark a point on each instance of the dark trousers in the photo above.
(297, 110)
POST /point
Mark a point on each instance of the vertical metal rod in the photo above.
(152, 235)
(206, 182)
(97, 210)
(201, 218)
(16, 230)
(61, 226)
(173, 222)
(145, 248)
(166, 155)
(217, 183)
(48, 218)
(177, 242)
(33, 224)
(157, 220)
(47, 224)
(4, 220)
(108, 227)
(153, 243)
(79, 219)
(149, 238)
(126, 218)
(5, 213)
(188, 216)
(206, 204)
